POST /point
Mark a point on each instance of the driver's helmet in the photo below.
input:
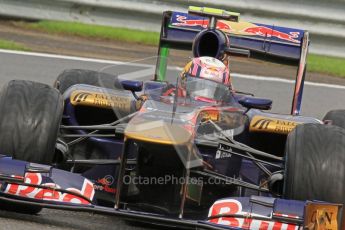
(206, 78)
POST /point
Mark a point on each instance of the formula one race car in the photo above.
(192, 154)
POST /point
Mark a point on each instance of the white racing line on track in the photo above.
(134, 63)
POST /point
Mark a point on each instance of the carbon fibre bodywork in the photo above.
(137, 153)
(220, 172)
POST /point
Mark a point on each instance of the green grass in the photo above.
(95, 31)
(324, 64)
(10, 45)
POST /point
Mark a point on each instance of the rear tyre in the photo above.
(72, 77)
(315, 161)
(29, 123)
(336, 117)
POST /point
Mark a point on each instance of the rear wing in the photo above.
(273, 43)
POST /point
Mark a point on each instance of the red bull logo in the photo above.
(268, 32)
(48, 192)
(233, 207)
(240, 28)
(183, 21)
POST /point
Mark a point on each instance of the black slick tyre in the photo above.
(336, 117)
(29, 123)
(315, 163)
(72, 77)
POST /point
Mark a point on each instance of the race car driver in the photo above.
(204, 79)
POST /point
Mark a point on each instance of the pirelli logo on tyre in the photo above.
(272, 125)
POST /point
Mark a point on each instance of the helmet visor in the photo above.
(200, 87)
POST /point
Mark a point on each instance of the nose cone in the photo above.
(159, 131)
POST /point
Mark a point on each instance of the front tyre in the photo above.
(315, 163)
(30, 119)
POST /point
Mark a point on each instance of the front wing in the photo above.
(33, 184)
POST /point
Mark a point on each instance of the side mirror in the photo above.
(134, 86)
(256, 103)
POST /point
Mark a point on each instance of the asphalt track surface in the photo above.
(318, 99)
